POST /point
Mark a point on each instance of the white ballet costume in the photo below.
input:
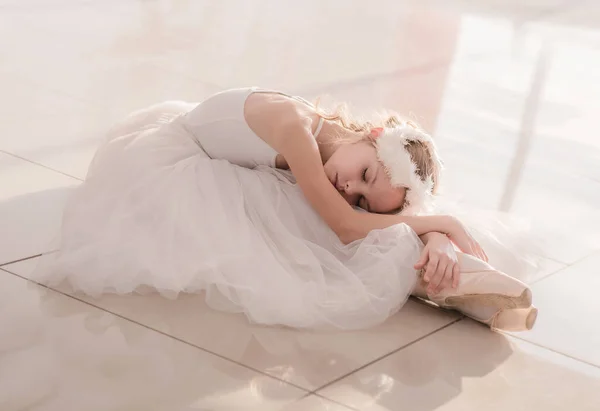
(185, 198)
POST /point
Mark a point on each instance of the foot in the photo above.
(486, 295)
(481, 285)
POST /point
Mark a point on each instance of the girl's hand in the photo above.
(459, 235)
(441, 261)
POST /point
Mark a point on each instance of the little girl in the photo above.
(278, 210)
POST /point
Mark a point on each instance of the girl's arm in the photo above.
(290, 135)
(302, 154)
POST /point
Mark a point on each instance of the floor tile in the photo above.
(503, 8)
(267, 43)
(48, 127)
(257, 43)
(315, 403)
(583, 15)
(231, 44)
(116, 86)
(569, 311)
(514, 128)
(547, 267)
(57, 353)
(467, 367)
(31, 203)
(495, 160)
(305, 358)
(416, 94)
(111, 62)
(63, 132)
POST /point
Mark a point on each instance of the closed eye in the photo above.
(364, 175)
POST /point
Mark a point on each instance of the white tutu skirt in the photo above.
(156, 213)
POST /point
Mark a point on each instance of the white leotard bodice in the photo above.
(218, 125)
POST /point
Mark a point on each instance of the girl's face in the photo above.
(356, 172)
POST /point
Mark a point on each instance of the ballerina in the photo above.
(276, 209)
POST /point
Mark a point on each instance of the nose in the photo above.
(349, 188)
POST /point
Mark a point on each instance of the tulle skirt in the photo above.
(155, 213)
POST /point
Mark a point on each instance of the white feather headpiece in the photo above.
(391, 150)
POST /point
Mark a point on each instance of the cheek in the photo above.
(351, 173)
(348, 163)
(332, 169)
(330, 166)
(395, 198)
(387, 199)
(334, 165)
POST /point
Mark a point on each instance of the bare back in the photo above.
(267, 113)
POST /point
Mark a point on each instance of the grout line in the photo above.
(330, 88)
(385, 356)
(552, 11)
(427, 66)
(335, 402)
(435, 63)
(305, 390)
(555, 260)
(566, 266)
(309, 394)
(549, 275)
(549, 349)
(95, 104)
(39, 164)
(21, 259)
(50, 87)
(61, 5)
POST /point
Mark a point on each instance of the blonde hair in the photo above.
(418, 151)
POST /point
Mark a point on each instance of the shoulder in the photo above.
(277, 108)
(275, 118)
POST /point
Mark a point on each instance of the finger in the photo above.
(438, 277)
(431, 267)
(430, 271)
(479, 249)
(422, 259)
(456, 275)
(478, 253)
(462, 246)
(467, 249)
(442, 276)
(482, 253)
(446, 279)
(485, 255)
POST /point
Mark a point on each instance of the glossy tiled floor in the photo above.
(511, 90)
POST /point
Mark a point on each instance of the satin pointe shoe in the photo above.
(507, 319)
(480, 284)
(486, 295)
